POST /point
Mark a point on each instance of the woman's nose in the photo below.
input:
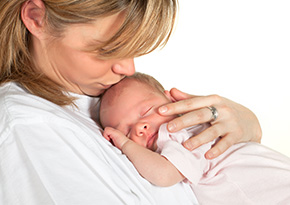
(124, 67)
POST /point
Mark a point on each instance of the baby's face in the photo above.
(135, 112)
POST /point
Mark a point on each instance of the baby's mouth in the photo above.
(151, 140)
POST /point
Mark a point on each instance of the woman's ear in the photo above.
(32, 15)
(168, 95)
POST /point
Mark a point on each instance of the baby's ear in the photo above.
(168, 95)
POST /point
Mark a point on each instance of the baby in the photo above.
(247, 173)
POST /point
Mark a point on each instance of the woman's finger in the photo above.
(179, 95)
(189, 119)
(206, 136)
(222, 145)
(190, 104)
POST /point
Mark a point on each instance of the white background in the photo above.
(237, 49)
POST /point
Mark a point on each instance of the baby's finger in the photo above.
(106, 134)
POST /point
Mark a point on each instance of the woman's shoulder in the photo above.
(19, 108)
(18, 105)
(16, 102)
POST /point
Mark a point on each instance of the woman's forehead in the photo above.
(106, 27)
(95, 33)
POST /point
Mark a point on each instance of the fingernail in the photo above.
(163, 109)
(210, 155)
(171, 127)
(188, 146)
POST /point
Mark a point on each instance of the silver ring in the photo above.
(214, 113)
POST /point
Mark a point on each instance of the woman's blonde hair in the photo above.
(147, 26)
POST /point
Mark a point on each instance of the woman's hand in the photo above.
(235, 123)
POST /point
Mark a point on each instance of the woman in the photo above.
(56, 57)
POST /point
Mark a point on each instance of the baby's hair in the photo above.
(148, 80)
(138, 77)
(141, 78)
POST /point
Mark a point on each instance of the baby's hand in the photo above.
(118, 138)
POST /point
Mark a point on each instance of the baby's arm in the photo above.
(152, 166)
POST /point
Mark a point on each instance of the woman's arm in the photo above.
(152, 166)
(235, 123)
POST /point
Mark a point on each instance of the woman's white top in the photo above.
(57, 155)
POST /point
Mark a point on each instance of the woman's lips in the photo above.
(106, 86)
